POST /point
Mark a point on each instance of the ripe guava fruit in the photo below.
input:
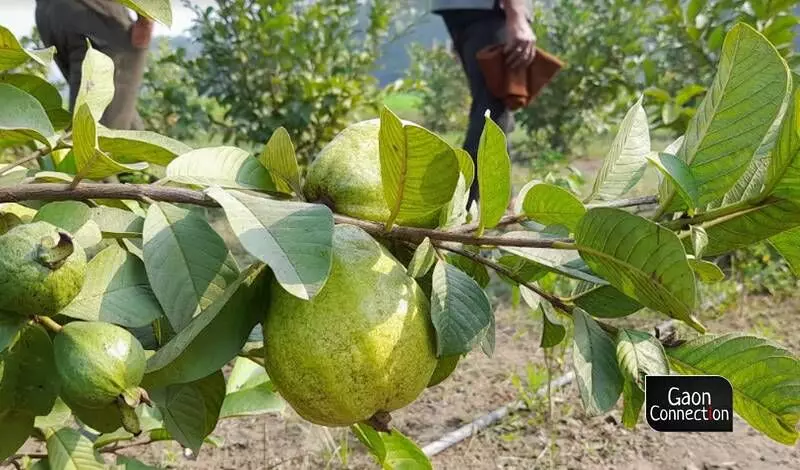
(346, 176)
(98, 364)
(363, 346)
(41, 269)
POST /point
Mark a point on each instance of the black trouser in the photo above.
(471, 31)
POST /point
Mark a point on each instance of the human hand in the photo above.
(141, 33)
(520, 47)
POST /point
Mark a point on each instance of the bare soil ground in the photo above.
(524, 440)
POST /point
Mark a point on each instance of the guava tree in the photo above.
(347, 292)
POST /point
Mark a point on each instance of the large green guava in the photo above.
(41, 269)
(364, 345)
(98, 364)
(346, 175)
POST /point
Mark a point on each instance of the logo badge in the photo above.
(689, 403)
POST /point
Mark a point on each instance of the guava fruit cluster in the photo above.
(364, 345)
(41, 269)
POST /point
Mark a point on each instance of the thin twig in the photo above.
(621, 203)
(21, 162)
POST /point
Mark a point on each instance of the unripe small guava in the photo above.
(365, 345)
(41, 269)
(97, 363)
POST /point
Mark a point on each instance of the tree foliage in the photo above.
(154, 247)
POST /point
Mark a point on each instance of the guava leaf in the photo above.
(626, 161)
(472, 269)
(158, 10)
(129, 463)
(423, 259)
(595, 362)
(249, 391)
(294, 239)
(460, 310)
(765, 379)
(640, 258)
(187, 262)
(676, 170)
(213, 337)
(788, 245)
(66, 215)
(117, 223)
(549, 204)
(97, 83)
(717, 148)
(45, 93)
(604, 301)
(23, 118)
(57, 417)
(279, 158)
(699, 240)
(191, 410)
(116, 291)
(419, 170)
(706, 271)
(9, 329)
(531, 298)
(392, 450)
(466, 165)
(228, 167)
(750, 225)
(783, 173)
(553, 331)
(17, 426)
(633, 400)
(90, 161)
(68, 449)
(640, 354)
(494, 175)
(27, 371)
(12, 54)
(564, 262)
(139, 146)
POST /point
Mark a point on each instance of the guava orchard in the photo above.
(703, 411)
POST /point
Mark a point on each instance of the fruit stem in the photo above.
(48, 323)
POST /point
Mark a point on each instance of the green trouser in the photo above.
(66, 24)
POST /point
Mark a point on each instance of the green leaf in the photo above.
(595, 363)
(466, 165)
(57, 417)
(688, 92)
(706, 271)
(117, 223)
(66, 215)
(472, 269)
(783, 173)
(419, 170)
(633, 399)
(460, 310)
(97, 83)
(139, 146)
(27, 372)
(423, 259)
(129, 463)
(246, 374)
(565, 262)
(670, 112)
(67, 449)
(494, 175)
(752, 80)
(699, 240)
(788, 245)
(604, 301)
(392, 450)
(213, 337)
(191, 410)
(522, 268)
(640, 258)
(9, 329)
(90, 161)
(553, 331)
(12, 54)
(23, 118)
(116, 291)
(294, 239)
(187, 262)
(45, 93)
(659, 94)
(675, 169)
(765, 379)
(751, 225)
(640, 354)
(625, 163)
(229, 167)
(252, 401)
(549, 204)
(17, 426)
(279, 158)
(157, 10)
(531, 298)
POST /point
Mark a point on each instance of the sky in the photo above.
(18, 16)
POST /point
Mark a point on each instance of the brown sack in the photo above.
(518, 87)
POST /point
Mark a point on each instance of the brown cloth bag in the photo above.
(517, 88)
